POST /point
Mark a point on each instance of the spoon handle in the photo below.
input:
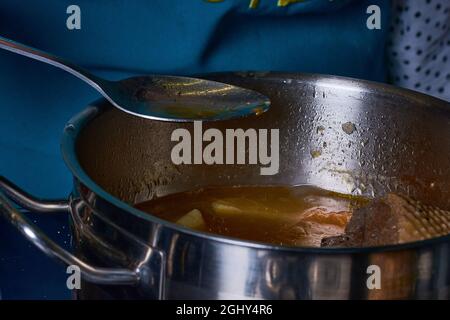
(45, 57)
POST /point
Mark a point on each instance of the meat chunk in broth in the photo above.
(393, 219)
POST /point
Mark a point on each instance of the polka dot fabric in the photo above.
(419, 46)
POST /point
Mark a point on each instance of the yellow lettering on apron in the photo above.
(254, 3)
(284, 3)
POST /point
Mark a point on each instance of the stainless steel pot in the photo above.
(401, 143)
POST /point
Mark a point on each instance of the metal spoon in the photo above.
(159, 97)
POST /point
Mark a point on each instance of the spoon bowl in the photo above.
(180, 99)
(161, 97)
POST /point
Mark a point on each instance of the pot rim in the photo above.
(76, 124)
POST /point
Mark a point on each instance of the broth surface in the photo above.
(282, 215)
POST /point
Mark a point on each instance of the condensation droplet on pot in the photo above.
(320, 129)
(316, 153)
(348, 127)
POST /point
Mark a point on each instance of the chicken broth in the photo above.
(282, 215)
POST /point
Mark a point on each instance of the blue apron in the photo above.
(119, 38)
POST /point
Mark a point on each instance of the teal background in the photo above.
(120, 38)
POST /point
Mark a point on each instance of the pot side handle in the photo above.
(90, 273)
